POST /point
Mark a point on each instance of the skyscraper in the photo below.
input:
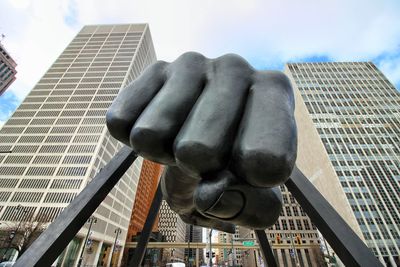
(7, 69)
(225, 254)
(58, 139)
(173, 229)
(148, 182)
(356, 113)
(193, 234)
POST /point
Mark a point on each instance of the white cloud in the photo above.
(260, 30)
(343, 30)
(35, 35)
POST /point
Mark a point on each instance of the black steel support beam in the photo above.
(265, 248)
(348, 246)
(45, 250)
(148, 225)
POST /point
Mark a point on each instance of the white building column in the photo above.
(81, 246)
(120, 254)
(98, 251)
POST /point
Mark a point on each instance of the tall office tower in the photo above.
(295, 240)
(148, 182)
(193, 234)
(356, 113)
(7, 69)
(173, 229)
(225, 254)
(237, 253)
(58, 138)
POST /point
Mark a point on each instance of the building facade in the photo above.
(58, 140)
(147, 186)
(149, 176)
(193, 234)
(295, 240)
(173, 229)
(226, 255)
(7, 69)
(356, 113)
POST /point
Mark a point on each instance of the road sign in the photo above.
(248, 243)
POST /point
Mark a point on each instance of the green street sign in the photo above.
(248, 243)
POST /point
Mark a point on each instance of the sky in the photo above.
(268, 33)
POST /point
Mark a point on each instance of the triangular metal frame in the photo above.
(44, 251)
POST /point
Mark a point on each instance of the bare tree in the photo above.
(20, 235)
(319, 256)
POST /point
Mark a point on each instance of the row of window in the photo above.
(42, 171)
(37, 184)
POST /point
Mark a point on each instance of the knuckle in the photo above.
(265, 168)
(151, 143)
(160, 63)
(188, 61)
(197, 158)
(136, 137)
(117, 125)
(191, 56)
(143, 139)
(114, 120)
(277, 77)
(233, 60)
(155, 69)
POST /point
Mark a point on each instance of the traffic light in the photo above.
(208, 254)
(298, 239)
(278, 239)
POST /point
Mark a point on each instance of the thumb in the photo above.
(228, 198)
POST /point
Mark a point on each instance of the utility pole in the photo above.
(210, 258)
(296, 257)
(91, 220)
(232, 254)
(117, 232)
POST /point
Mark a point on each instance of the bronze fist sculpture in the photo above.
(225, 131)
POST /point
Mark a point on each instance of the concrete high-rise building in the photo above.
(7, 69)
(193, 234)
(173, 229)
(58, 139)
(355, 111)
(295, 240)
(225, 254)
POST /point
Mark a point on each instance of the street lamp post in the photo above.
(117, 232)
(14, 233)
(92, 220)
(189, 238)
(210, 258)
(232, 254)
(294, 250)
